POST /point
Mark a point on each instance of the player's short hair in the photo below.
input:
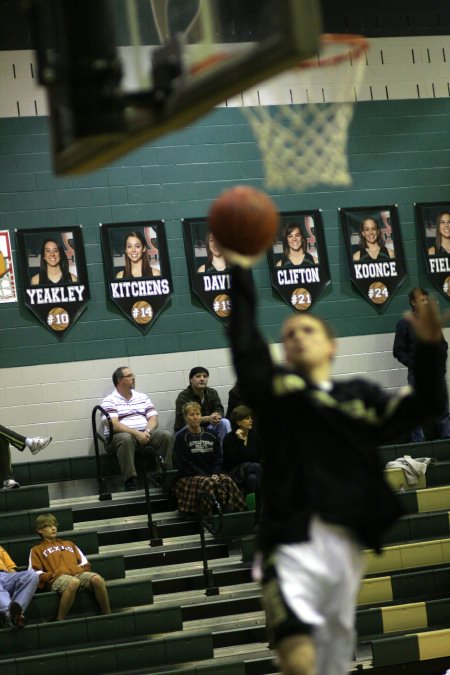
(417, 290)
(328, 329)
(45, 519)
(190, 404)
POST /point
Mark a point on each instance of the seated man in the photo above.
(135, 421)
(16, 591)
(7, 436)
(62, 567)
(210, 403)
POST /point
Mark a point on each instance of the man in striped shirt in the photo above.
(135, 425)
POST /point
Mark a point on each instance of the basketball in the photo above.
(244, 220)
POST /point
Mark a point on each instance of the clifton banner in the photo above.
(298, 259)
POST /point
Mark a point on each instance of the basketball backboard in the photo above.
(121, 73)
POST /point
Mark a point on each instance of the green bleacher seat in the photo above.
(16, 523)
(419, 526)
(420, 646)
(403, 617)
(69, 468)
(32, 497)
(399, 587)
(117, 657)
(78, 631)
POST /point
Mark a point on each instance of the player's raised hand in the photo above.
(427, 320)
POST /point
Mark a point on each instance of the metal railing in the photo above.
(102, 439)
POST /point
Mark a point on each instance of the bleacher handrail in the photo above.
(103, 493)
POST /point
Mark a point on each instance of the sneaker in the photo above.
(37, 444)
(10, 484)
(16, 615)
(131, 484)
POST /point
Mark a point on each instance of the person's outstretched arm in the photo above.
(251, 356)
(428, 399)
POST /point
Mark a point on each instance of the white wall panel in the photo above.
(62, 406)
(399, 63)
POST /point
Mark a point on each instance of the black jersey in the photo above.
(319, 448)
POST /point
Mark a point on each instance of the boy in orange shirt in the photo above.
(63, 568)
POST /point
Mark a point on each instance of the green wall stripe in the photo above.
(396, 156)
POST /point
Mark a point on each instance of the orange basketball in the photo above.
(244, 219)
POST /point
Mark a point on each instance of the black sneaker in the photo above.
(130, 484)
(16, 615)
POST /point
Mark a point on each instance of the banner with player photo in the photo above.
(298, 259)
(209, 275)
(138, 269)
(54, 275)
(433, 222)
(8, 289)
(374, 251)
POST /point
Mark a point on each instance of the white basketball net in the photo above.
(303, 146)
(306, 144)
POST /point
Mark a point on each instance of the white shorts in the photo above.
(311, 588)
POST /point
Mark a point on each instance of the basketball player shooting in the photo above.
(325, 498)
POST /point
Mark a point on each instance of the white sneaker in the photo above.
(10, 484)
(37, 444)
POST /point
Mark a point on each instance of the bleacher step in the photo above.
(123, 593)
(115, 657)
(119, 508)
(78, 632)
(32, 497)
(177, 555)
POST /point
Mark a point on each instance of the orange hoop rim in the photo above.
(356, 45)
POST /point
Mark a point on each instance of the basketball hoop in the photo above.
(306, 144)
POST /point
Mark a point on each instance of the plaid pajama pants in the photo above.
(196, 493)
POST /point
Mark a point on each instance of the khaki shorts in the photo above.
(61, 583)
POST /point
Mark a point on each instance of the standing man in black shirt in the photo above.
(404, 351)
(325, 497)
